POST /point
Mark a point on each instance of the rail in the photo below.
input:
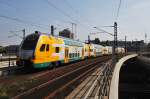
(102, 82)
(61, 86)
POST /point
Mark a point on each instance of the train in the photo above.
(41, 50)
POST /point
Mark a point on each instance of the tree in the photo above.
(66, 33)
(2, 50)
(97, 41)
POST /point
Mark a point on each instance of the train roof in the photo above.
(67, 41)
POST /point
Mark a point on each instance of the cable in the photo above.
(15, 34)
(75, 11)
(118, 10)
(21, 21)
(65, 14)
(70, 6)
(16, 31)
(104, 31)
(97, 28)
(18, 20)
(61, 11)
(8, 5)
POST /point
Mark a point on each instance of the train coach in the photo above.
(120, 50)
(95, 50)
(107, 50)
(43, 50)
(39, 50)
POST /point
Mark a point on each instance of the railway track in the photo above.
(95, 86)
(10, 70)
(60, 86)
(13, 70)
(19, 83)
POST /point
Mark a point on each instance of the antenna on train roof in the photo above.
(36, 32)
(88, 39)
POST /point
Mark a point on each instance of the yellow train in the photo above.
(40, 50)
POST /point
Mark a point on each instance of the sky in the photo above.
(38, 15)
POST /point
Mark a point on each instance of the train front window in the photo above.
(42, 47)
(47, 47)
(30, 42)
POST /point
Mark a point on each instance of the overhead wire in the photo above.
(66, 14)
(70, 6)
(118, 10)
(7, 4)
(51, 4)
(61, 11)
(14, 34)
(76, 12)
(102, 30)
(21, 21)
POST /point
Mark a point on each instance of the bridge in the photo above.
(131, 78)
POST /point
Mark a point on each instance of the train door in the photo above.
(47, 52)
(66, 54)
(82, 53)
(89, 51)
(42, 53)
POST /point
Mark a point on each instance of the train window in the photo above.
(47, 47)
(74, 54)
(57, 49)
(70, 55)
(42, 47)
(30, 42)
(78, 54)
